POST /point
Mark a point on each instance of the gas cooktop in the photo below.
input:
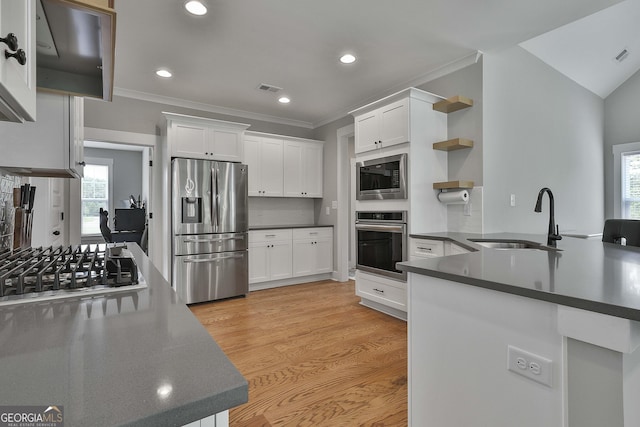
(40, 274)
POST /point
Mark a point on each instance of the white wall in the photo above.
(621, 125)
(540, 130)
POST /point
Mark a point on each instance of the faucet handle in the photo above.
(557, 236)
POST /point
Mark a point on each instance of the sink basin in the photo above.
(511, 244)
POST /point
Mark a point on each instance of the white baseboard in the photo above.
(290, 281)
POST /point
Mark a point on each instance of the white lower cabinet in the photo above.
(278, 254)
(270, 255)
(312, 251)
(382, 294)
(218, 420)
(429, 248)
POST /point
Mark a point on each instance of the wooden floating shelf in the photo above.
(452, 104)
(452, 184)
(453, 144)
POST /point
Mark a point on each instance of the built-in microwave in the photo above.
(384, 178)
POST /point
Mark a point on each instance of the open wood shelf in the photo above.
(453, 144)
(452, 184)
(452, 104)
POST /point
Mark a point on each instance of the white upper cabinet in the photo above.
(283, 166)
(303, 171)
(200, 138)
(264, 158)
(18, 72)
(51, 146)
(382, 127)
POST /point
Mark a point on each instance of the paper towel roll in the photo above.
(460, 197)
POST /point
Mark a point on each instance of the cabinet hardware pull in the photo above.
(11, 41)
(269, 235)
(56, 233)
(20, 56)
(82, 163)
(380, 291)
(424, 249)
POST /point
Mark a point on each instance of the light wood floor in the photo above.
(312, 356)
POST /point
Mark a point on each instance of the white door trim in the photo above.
(343, 226)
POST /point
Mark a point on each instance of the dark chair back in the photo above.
(616, 229)
(104, 228)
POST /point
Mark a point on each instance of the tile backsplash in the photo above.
(7, 184)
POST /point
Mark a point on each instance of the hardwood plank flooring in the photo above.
(313, 356)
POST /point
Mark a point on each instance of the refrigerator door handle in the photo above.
(213, 239)
(214, 198)
(215, 259)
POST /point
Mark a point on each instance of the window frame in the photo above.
(99, 161)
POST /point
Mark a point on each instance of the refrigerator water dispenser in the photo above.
(191, 210)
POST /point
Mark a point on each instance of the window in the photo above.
(96, 193)
(630, 165)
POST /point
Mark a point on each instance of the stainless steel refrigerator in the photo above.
(210, 222)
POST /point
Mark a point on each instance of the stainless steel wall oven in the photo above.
(381, 242)
(384, 178)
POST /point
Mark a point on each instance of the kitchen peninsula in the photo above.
(136, 358)
(527, 337)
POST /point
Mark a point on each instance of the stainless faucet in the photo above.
(554, 233)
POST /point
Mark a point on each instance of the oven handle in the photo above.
(395, 228)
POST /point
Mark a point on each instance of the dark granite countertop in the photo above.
(584, 273)
(136, 358)
(279, 227)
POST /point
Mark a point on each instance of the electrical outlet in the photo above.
(513, 200)
(529, 365)
(328, 210)
(467, 209)
(334, 204)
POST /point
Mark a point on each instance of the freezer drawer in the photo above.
(199, 278)
(195, 244)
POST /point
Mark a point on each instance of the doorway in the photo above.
(142, 147)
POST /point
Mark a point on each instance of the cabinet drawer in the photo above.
(382, 293)
(312, 233)
(426, 248)
(256, 236)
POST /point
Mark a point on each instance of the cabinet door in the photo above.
(280, 260)
(366, 132)
(394, 123)
(304, 251)
(258, 262)
(293, 169)
(252, 159)
(189, 141)
(76, 136)
(18, 82)
(313, 170)
(43, 144)
(271, 167)
(324, 255)
(226, 145)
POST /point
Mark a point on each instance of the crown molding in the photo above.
(144, 96)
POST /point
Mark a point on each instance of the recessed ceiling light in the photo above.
(284, 100)
(347, 59)
(195, 7)
(164, 73)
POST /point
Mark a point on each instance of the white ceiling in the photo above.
(585, 50)
(219, 60)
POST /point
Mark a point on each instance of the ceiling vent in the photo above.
(269, 88)
(622, 55)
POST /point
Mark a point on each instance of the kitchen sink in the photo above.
(511, 244)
